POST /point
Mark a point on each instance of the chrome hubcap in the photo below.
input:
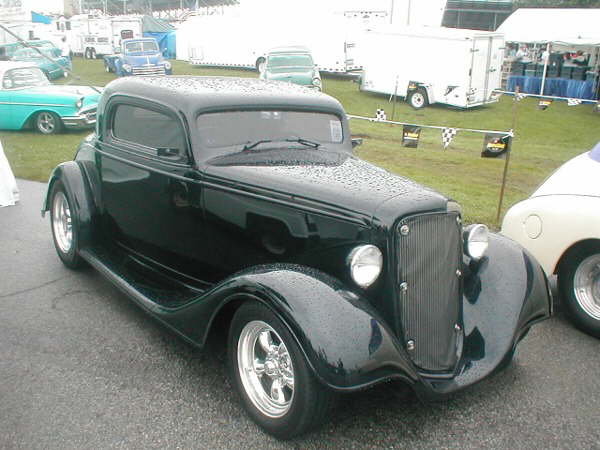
(46, 122)
(265, 369)
(61, 222)
(586, 284)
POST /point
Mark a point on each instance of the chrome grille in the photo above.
(429, 307)
(148, 70)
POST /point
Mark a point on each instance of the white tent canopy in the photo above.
(570, 27)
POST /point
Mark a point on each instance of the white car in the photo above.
(560, 225)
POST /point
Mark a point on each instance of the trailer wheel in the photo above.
(260, 64)
(92, 53)
(418, 99)
(86, 53)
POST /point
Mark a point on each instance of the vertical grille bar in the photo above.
(429, 304)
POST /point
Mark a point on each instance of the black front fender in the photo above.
(504, 295)
(345, 341)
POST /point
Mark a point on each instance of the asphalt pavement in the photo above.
(81, 367)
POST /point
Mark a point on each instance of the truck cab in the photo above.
(140, 57)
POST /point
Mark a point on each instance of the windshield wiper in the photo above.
(306, 142)
(250, 146)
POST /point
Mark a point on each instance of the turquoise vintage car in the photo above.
(52, 64)
(28, 99)
(293, 65)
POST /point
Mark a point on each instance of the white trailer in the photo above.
(241, 41)
(93, 36)
(429, 65)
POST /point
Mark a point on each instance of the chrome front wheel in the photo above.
(579, 284)
(586, 285)
(271, 375)
(48, 123)
(266, 369)
(62, 224)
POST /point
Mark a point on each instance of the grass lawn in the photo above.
(544, 140)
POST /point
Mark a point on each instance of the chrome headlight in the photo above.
(365, 262)
(79, 103)
(317, 82)
(476, 240)
(126, 67)
(167, 65)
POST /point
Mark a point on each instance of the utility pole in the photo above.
(392, 12)
(408, 13)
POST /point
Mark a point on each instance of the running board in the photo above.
(150, 298)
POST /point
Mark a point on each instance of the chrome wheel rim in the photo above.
(418, 100)
(265, 369)
(586, 286)
(61, 222)
(46, 122)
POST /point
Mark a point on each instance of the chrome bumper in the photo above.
(85, 119)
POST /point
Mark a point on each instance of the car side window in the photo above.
(158, 132)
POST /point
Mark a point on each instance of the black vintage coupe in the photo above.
(236, 205)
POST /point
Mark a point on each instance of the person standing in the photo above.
(65, 48)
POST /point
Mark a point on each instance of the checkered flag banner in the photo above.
(573, 102)
(447, 136)
(520, 96)
(380, 115)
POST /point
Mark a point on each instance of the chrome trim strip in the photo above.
(35, 104)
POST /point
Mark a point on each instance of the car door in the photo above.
(151, 193)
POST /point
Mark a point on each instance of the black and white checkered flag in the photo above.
(573, 102)
(380, 115)
(520, 96)
(447, 136)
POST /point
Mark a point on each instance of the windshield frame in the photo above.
(202, 154)
(278, 55)
(142, 51)
(44, 79)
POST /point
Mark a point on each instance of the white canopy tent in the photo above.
(557, 28)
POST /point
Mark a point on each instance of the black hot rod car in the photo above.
(237, 204)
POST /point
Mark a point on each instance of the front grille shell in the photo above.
(148, 70)
(429, 307)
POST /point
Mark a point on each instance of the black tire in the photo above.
(418, 99)
(259, 62)
(107, 68)
(69, 256)
(86, 54)
(47, 122)
(309, 401)
(582, 306)
(93, 54)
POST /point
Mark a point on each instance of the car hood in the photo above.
(578, 176)
(298, 75)
(154, 58)
(66, 91)
(333, 180)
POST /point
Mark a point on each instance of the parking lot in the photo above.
(83, 367)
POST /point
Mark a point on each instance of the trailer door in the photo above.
(478, 73)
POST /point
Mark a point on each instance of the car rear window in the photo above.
(238, 128)
(148, 128)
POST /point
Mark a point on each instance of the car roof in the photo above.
(8, 65)
(289, 49)
(192, 93)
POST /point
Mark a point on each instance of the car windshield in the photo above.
(276, 61)
(29, 53)
(24, 77)
(268, 129)
(141, 47)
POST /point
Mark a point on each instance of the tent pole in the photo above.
(548, 46)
